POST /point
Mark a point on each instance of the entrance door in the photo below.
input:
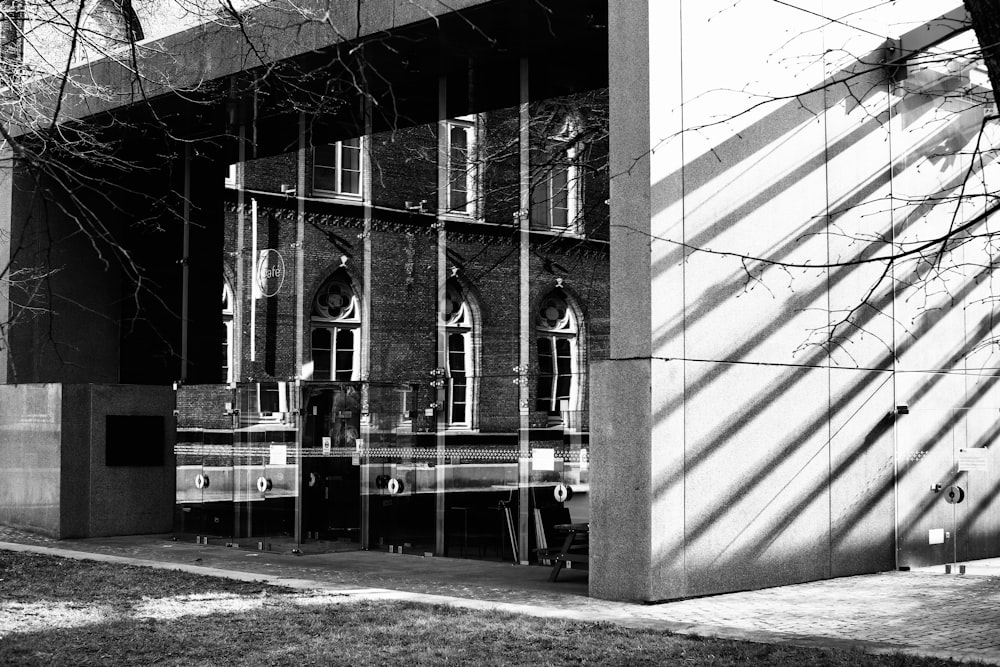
(945, 486)
(331, 466)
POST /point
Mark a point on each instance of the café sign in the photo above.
(270, 272)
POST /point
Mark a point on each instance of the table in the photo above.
(577, 540)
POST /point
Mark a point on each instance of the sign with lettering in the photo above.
(974, 458)
(270, 272)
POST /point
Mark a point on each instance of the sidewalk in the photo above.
(923, 612)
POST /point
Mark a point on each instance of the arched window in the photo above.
(557, 335)
(227, 341)
(336, 330)
(460, 369)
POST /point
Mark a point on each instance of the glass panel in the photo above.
(265, 466)
(350, 182)
(350, 166)
(545, 380)
(331, 467)
(539, 204)
(345, 354)
(560, 196)
(325, 168)
(321, 353)
(203, 452)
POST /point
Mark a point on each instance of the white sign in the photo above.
(279, 455)
(935, 536)
(269, 274)
(327, 444)
(976, 458)
(543, 458)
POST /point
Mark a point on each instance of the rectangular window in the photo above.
(227, 351)
(344, 367)
(333, 351)
(461, 168)
(544, 395)
(272, 402)
(555, 193)
(322, 354)
(337, 168)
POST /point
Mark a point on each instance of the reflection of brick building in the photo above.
(417, 296)
(382, 326)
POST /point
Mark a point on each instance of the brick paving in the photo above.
(925, 612)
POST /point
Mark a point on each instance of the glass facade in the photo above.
(315, 466)
(404, 373)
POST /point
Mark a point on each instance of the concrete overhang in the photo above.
(269, 33)
(186, 79)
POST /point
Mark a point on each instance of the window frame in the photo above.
(564, 159)
(469, 126)
(228, 316)
(567, 328)
(463, 323)
(263, 389)
(338, 171)
(349, 320)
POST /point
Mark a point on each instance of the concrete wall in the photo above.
(53, 460)
(30, 457)
(759, 445)
(127, 500)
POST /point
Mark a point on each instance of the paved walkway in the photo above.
(925, 612)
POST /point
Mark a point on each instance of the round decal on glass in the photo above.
(562, 493)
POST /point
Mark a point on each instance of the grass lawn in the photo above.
(56, 611)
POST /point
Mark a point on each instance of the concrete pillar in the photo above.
(637, 504)
(6, 203)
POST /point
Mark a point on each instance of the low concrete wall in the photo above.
(30, 457)
(58, 479)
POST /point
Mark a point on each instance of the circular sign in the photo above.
(263, 484)
(201, 481)
(954, 495)
(270, 272)
(562, 493)
(395, 486)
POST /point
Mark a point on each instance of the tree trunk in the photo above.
(986, 23)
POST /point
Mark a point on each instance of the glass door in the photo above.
(331, 466)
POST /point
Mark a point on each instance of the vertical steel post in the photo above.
(524, 301)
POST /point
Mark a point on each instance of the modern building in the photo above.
(433, 279)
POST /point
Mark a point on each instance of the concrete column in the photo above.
(6, 203)
(637, 502)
